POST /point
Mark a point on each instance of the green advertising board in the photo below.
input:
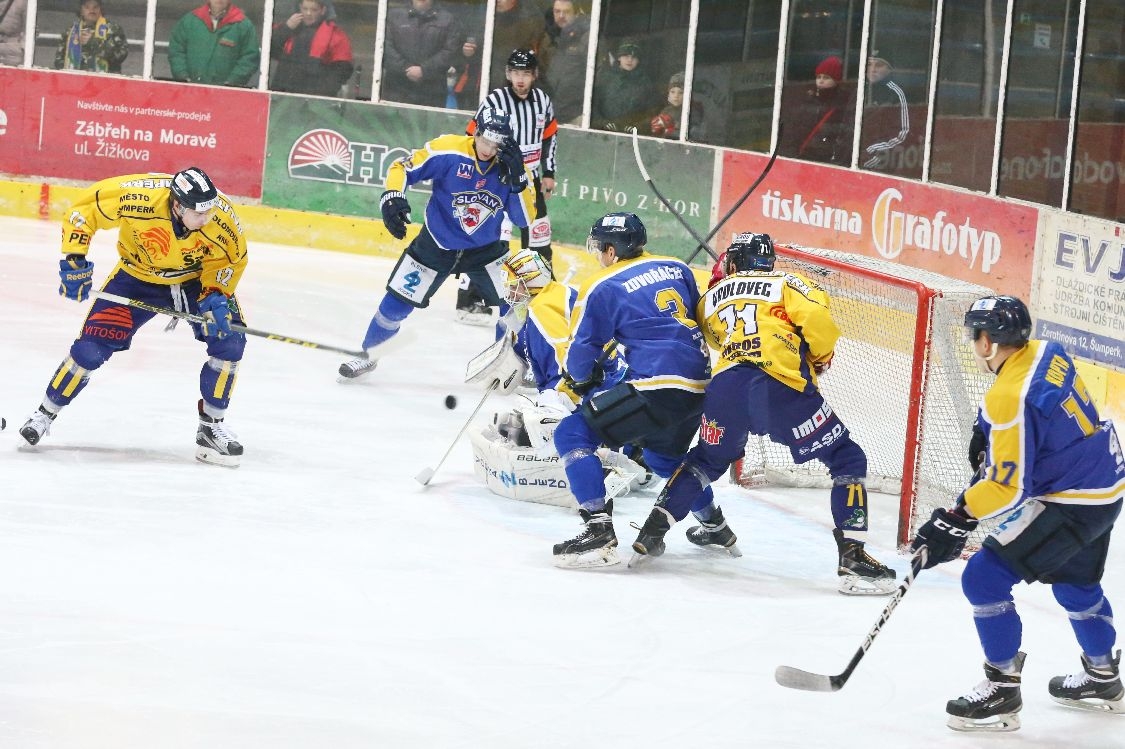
(332, 157)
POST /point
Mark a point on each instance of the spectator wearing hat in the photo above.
(821, 127)
(886, 117)
(92, 42)
(667, 123)
(624, 95)
(314, 55)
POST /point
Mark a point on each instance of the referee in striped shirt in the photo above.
(534, 128)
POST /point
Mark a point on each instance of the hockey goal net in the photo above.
(903, 381)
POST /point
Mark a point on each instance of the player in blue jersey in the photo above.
(476, 180)
(1056, 470)
(774, 336)
(645, 304)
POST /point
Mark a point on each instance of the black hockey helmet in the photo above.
(1004, 318)
(622, 230)
(194, 190)
(749, 251)
(523, 59)
(493, 125)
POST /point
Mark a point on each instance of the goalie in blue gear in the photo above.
(476, 182)
(1054, 470)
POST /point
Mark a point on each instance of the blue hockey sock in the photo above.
(386, 321)
(1091, 616)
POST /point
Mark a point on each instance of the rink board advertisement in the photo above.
(88, 127)
(333, 157)
(1081, 300)
(980, 240)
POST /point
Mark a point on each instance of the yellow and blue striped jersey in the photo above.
(769, 319)
(140, 204)
(1045, 438)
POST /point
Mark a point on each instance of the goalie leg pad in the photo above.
(517, 473)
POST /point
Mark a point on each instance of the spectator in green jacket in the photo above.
(215, 43)
(92, 42)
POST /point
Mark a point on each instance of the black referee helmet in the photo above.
(523, 59)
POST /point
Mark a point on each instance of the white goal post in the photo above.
(903, 381)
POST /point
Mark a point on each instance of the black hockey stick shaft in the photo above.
(426, 474)
(738, 203)
(796, 678)
(660, 196)
(236, 328)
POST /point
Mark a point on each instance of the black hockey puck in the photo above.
(450, 402)
(3, 423)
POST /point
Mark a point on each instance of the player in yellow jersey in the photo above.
(181, 246)
(774, 335)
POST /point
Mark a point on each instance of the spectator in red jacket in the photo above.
(314, 55)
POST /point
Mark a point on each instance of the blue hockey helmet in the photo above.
(493, 125)
(194, 190)
(622, 230)
(749, 251)
(1004, 318)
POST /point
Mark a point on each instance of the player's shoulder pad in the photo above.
(452, 143)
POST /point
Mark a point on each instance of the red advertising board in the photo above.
(88, 127)
(973, 238)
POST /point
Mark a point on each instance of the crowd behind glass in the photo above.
(956, 92)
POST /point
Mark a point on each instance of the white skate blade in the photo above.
(640, 560)
(424, 476)
(213, 457)
(995, 724)
(1096, 706)
(854, 585)
(604, 557)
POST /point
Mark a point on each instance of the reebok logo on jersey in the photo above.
(710, 431)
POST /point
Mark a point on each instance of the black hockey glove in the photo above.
(512, 172)
(597, 377)
(396, 213)
(944, 535)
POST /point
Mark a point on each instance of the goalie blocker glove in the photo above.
(76, 274)
(396, 213)
(944, 534)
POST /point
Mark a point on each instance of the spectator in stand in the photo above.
(667, 123)
(422, 44)
(821, 125)
(886, 119)
(92, 42)
(314, 55)
(13, 14)
(466, 87)
(216, 43)
(518, 25)
(563, 61)
(624, 95)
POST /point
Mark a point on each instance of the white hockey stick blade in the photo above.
(424, 476)
(795, 678)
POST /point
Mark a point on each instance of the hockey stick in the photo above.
(738, 203)
(236, 328)
(795, 678)
(648, 181)
(426, 474)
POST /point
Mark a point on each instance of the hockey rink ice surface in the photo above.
(319, 597)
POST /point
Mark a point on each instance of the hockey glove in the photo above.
(215, 308)
(76, 273)
(944, 534)
(820, 367)
(511, 165)
(396, 213)
(597, 377)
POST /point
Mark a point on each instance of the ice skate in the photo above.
(37, 426)
(1095, 688)
(595, 546)
(715, 534)
(860, 573)
(216, 444)
(650, 541)
(992, 705)
(358, 367)
(476, 313)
